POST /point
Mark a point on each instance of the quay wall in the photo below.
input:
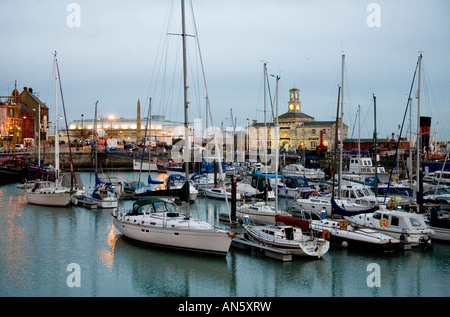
(123, 160)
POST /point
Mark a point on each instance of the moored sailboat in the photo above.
(158, 222)
(51, 193)
(289, 238)
(155, 222)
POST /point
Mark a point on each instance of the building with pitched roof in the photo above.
(19, 117)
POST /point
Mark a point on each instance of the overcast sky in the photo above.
(114, 52)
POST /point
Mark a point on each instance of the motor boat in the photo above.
(406, 226)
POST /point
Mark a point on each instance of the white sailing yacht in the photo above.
(154, 221)
(51, 193)
(102, 195)
(294, 235)
(260, 211)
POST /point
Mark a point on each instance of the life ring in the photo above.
(384, 222)
(314, 194)
(325, 234)
(392, 203)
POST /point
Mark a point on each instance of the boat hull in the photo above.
(442, 234)
(259, 214)
(101, 203)
(215, 242)
(308, 248)
(58, 199)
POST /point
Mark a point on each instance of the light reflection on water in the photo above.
(38, 243)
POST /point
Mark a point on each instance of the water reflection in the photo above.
(37, 243)
(107, 255)
(161, 272)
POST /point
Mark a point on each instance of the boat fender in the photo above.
(384, 222)
(325, 234)
(392, 203)
(75, 201)
(344, 244)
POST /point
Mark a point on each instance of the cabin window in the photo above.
(170, 207)
(377, 216)
(394, 221)
(159, 207)
(415, 222)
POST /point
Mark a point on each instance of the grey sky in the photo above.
(112, 56)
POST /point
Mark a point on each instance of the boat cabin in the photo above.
(393, 219)
(363, 165)
(283, 232)
(151, 205)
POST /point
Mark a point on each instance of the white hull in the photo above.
(397, 224)
(343, 233)
(218, 193)
(259, 213)
(152, 167)
(217, 242)
(307, 247)
(62, 198)
(317, 204)
(102, 203)
(442, 234)
(296, 170)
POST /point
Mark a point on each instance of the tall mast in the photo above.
(342, 126)
(265, 131)
(418, 140)
(186, 108)
(410, 143)
(359, 136)
(56, 122)
(277, 150)
(375, 142)
(333, 174)
(150, 132)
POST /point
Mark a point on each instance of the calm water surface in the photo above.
(37, 244)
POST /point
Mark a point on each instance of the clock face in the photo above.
(291, 106)
(297, 107)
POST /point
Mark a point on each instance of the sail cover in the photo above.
(300, 223)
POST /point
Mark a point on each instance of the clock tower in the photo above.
(294, 101)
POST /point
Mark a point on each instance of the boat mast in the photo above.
(186, 108)
(418, 140)
(266, 187)
(56, 122)
(277, 150)
(359, 138)
(342, 126)
(375, 142)
(333, 174)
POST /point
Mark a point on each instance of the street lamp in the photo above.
(82, 129)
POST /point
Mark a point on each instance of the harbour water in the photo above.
(42, 247)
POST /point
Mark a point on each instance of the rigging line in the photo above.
(400, 133)
(210, 113)
(161, 45)
(429, 93)
(72, 172)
